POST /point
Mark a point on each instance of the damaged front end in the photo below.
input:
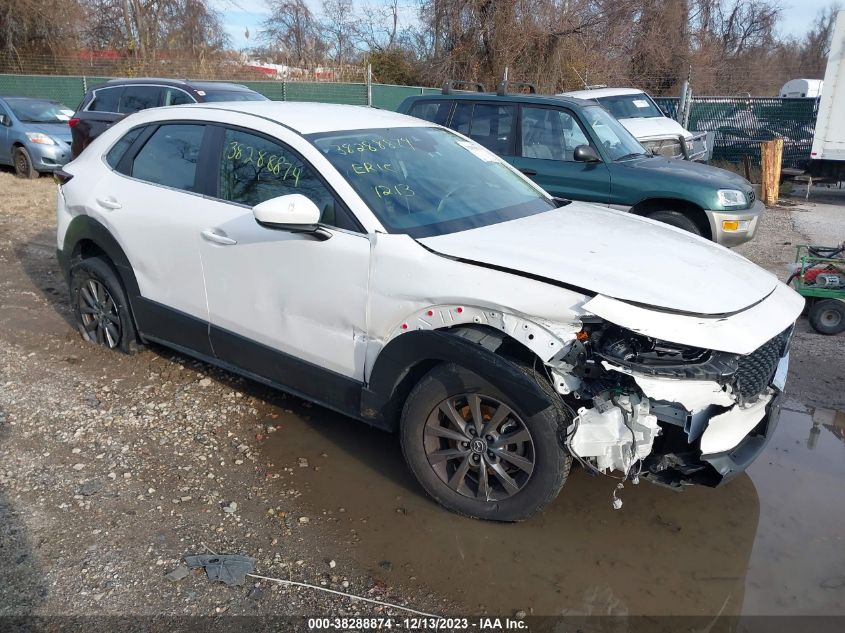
(671, 413)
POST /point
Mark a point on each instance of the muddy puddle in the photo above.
(770, 542)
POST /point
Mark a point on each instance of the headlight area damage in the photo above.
(674, 414)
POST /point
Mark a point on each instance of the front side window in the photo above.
(550, 133)
(170, 155)
(254, 169)
(175, 96)
(106, 100)
(427, 181)
(137, 98)
(616, 140)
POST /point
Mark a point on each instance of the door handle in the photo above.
(210, 236)
(109, 203)
(529, 172)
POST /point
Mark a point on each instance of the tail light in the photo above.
(72, 122)
(62, 177)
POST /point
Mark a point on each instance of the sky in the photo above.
(242, 15)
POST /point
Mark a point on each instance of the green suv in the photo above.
(576, 149)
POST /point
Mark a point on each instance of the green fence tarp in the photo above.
(66, 90)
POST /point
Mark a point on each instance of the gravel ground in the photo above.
(113, 468)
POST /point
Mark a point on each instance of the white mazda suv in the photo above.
(400, 273)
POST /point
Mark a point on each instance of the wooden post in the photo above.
(771, 153)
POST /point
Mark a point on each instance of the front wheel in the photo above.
(24, 167)
(476, 451)
(677, 219)
(828, 316)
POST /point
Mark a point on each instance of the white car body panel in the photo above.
(654, 127)
(591, 247)
(726, 430)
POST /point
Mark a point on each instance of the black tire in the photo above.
(828, 316)
(550, 463)
(100, 307)
(24, 167)
(676, 218)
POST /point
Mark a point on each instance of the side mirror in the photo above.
(293, 212)
(4, 120)
(586, 154)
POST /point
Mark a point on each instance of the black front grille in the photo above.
(751, 197)
(755, 371)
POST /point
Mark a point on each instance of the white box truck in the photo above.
(827, 157)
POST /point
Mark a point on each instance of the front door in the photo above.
(283, 305)
(549, 136)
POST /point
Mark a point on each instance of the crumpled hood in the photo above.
(654, 127)
(617, 255)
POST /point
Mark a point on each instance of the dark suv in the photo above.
(576, 149)
(113, 100)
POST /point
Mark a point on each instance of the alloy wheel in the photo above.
(479, 447)
(99, 314)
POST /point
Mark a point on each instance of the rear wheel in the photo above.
(476, 451)
(102, 311)
(828, 316)
(24, 166)
(676, 218)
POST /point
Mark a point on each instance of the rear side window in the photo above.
(492, 126)
(136, 98)
(119, 149)
(174, 96)
(106, 100)
(434, 111)
(170, 156)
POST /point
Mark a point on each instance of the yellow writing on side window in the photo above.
(280, 166)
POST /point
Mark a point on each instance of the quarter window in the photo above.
(136, 98)
(254, 169)
(105, 100)
(550, 133)
(119, 149)
(170, 156)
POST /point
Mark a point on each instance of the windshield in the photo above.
(427, 181)
(233, 95)
(616, 140)
(636, 106)
(39, 111)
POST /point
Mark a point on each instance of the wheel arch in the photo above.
(492, 354)
(86, 237)
(690, 209)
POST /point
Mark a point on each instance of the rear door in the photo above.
(548, 136)
(154, 202)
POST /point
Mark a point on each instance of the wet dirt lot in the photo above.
(166, 445)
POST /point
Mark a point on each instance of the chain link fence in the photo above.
(70, 90)
(740, 124)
